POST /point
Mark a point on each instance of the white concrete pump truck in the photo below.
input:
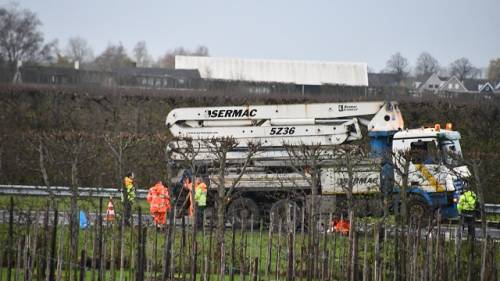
(432, 182)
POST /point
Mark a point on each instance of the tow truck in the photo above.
(432, 176)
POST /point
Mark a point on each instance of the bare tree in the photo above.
(219, 149)
(426, 64)
(20, 37)
(41, 159)
(78, 49)
(61, 155)
(476, 180)
(462, 68)
(305, 160)
(168, 60)
(42, 155)
(141, 55)
(119, 143)
(114, 56)
(72, 145)
(478, 183)
(201, 51)
(49, 53)
(350, 161)
(398, 65)
(186, 152)
(402, 174)
(192, 154)
(494, 70)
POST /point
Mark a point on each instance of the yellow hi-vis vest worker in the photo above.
(129, 188)
(200, 194)
(467, 202)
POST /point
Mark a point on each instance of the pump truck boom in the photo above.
(432, 182)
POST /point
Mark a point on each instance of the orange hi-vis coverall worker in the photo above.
(159, 201)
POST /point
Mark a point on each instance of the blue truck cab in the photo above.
(428, 161)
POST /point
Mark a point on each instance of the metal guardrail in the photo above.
(64, 191)
(492, 208)
(20, 217)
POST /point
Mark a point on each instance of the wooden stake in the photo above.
(261, 228)
(19, 260)
(269, 248)
(112, 262)
(365, 255)
(60, 257)
(94, 249)
(255, 269)
(122, 248)
(278, 252)
(52, 260)
(377, 276)
(10, 240)
(233, 251)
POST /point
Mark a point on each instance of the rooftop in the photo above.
(277, 71)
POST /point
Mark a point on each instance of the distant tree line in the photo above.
(22, 40)
(426, 64)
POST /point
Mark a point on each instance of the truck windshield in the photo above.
(424, 152)
(451, 152)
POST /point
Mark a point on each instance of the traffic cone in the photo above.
(110, 212)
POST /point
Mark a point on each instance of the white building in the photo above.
(308, 73)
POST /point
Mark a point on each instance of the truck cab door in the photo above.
(424, 167)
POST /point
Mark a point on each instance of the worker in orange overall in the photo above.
(159, 201)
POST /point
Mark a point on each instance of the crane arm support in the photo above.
(333, 122)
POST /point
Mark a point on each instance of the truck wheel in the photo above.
(244, 212)
(418, 211)
(279, 215)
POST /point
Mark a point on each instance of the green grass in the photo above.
(254, 246)
(493, 217)
(127, 275)
(38, 203)
(88, 275)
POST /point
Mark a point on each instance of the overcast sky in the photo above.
(349, 30)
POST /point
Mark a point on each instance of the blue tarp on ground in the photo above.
(84, 222)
